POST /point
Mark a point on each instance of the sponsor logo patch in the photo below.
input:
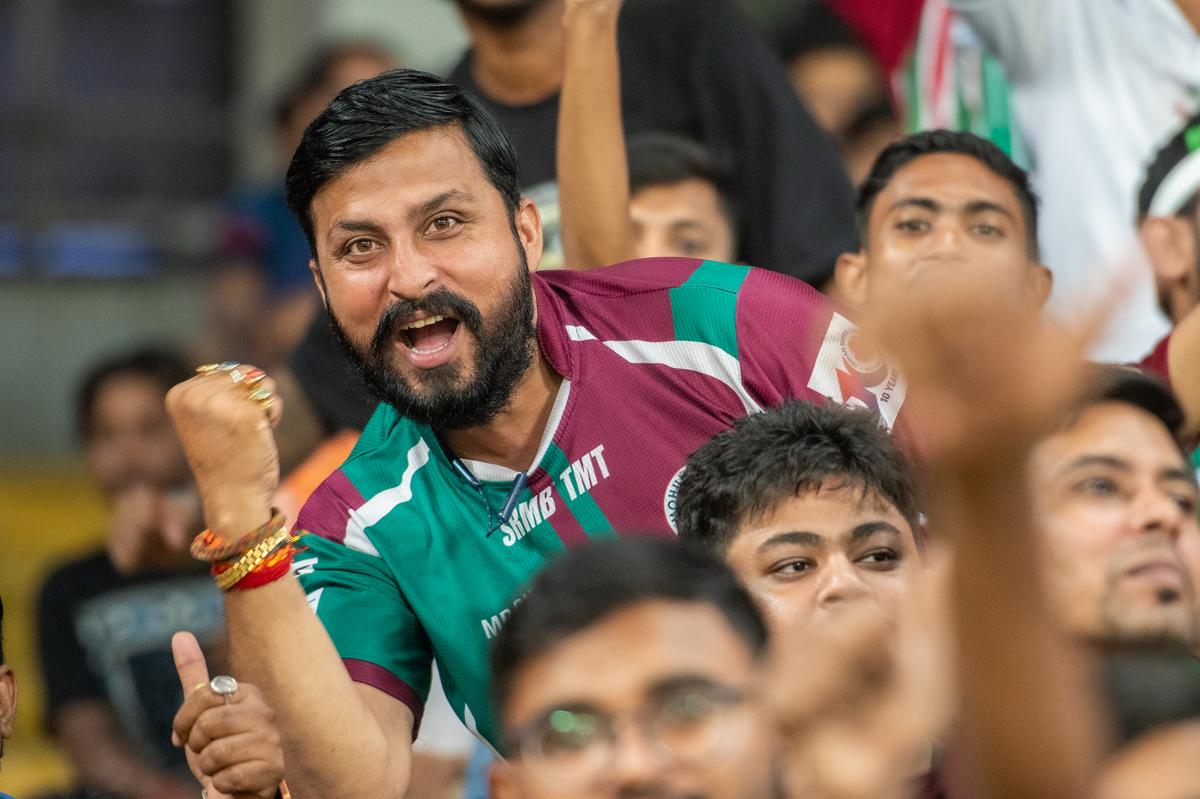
(670, 497)
(851, 372)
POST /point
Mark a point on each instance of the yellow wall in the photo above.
(48, 512)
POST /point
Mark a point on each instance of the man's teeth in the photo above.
(423, 322)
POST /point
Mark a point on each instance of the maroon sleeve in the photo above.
(1156, 362)
(794, 343)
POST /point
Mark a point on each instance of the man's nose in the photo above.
(839, 583)
(636, 760)
(412, 274)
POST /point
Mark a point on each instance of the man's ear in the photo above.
(851, 278)
(319, 279)
(1171, 247)
(1039, 283)
(528, 223)
(8, 701)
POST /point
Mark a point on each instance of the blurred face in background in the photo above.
(1173, 246)
(942, 212)
(655, 700)
(1116, 502)
(815, 555)
(682, 220)
(130, 439)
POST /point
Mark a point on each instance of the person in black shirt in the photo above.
(696, 68)
(105, 621)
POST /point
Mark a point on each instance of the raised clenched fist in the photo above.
(225, 423)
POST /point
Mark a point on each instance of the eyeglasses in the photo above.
(577, 745)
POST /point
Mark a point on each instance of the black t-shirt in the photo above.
(698, 68)
(329, 379)
(104, 636)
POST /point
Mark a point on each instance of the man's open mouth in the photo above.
(430, 334)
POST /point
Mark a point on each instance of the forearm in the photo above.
(593, 174)
(1031, 719)
(335, 746)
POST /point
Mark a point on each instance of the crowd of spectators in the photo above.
(654, 405)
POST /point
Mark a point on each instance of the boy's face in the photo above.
(131, 439)
(654, 700)
(681, 220)
(815, 554)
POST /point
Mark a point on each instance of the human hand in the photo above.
(233, 749)
(148, 528)
(987, 374)
(228, 440)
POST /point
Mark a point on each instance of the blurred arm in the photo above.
(593, 176)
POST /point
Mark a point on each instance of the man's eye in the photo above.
(792, 567)
(912, 225)
(991, 231)
(693, 248)
(1186, 503)
(361, 246)
(884, 555)
(1098, 486)
(443, 224)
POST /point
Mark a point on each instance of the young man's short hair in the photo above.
(585, 586)
(664, 159)
(153, 363)
(770, 457)
(933, 142)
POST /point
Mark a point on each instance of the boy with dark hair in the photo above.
(812, 506)
(637, 630)
(680, 202)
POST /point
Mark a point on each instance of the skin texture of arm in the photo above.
(593, 173)
(340, 740)
(987, 377)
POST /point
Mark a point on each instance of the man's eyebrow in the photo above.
(1178, 473)
(679, 682)
(868, 529)
(1086, 461)
(356, 226)
(986, 206)
(436, 202)
(801, 537)
(918, 202)
(687, 224)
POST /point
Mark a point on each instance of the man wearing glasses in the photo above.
(630, 670)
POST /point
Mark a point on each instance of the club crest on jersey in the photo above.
(850, 371)
(670, 498)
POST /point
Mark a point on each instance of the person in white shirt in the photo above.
(1098, 85)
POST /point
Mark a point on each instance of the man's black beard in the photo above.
(508, 16)
(503, 354)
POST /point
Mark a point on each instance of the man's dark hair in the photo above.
(1181, 145)
(1132, 386)
(164, 367)
(587, 585)
(371, 114)
(932, 142)
(770, 457)
(664, 159)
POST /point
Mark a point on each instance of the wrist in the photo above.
(590, 19)
(232, 516)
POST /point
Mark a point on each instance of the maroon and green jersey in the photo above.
(656, 357)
